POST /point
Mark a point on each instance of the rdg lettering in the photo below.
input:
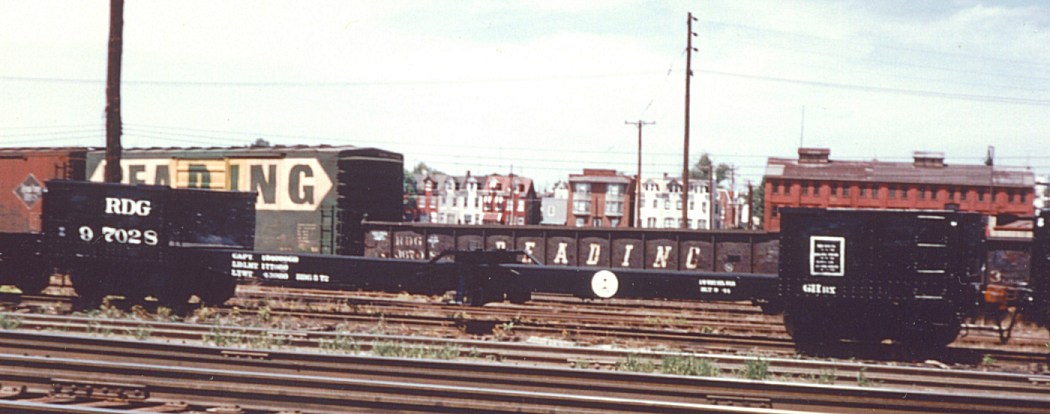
(127, 207)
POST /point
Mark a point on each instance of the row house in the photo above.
(492, 199)
(661, 203)
(927, 183)
(554, 205)
(600, 198)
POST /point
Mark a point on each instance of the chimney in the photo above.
(928, 159)
(813, 155)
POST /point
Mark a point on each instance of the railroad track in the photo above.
(590, 324)
(263, 340)
(135, 372)
(701, 327)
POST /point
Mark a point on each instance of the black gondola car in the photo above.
(908, 276)
(138, 241)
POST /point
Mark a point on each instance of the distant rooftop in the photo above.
(926, 168)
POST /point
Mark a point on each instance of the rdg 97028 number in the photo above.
(122, 236)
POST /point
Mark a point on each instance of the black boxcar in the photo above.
(872, 275)
(1039, 282)
(139, 241)
(311, 199)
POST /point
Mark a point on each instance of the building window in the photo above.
(614, 222)
(668, 222)
(780, 185)
(922, 193)
(582, 188)
(550, 211)
(650, 222)
(580, 222)
(980, 195)
(581, 206)
(656, 203)
(667, 204)
(874, 191)
(962, 194)
(863, 191)
(1011, 196)
(678, 205)
(892, 192)
(776, 187)
(904, 193)
(597, 222)
(613, 207)
(845, 190)
(615, 189)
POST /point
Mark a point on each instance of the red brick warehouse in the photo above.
(927, 183)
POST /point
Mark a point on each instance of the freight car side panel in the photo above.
(691, 251)
(419, 277)
(23, 172)
(310, 199)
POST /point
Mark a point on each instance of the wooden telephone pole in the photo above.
(638, 184)
(113, 122)
(685, 155)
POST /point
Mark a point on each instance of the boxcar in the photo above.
(23, 172)
(311, 199)
(871, 275)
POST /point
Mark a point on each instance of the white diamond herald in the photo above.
(605, 284)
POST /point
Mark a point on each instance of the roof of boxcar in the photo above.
(42, 150)
(255, 151)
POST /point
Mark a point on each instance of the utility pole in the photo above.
(685, 153)
(113, 122)
(750, 206)
(638, 184)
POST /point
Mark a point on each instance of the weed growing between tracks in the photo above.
(10, 322)
(755, 369)
(403, 350)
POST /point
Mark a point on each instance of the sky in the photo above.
(542, 89)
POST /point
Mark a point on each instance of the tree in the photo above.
(410, 194)
(422, 168)
(758, 197)
(702, 170)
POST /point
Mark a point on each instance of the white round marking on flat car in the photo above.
(605, 284)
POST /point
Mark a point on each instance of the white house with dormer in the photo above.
(660, 204)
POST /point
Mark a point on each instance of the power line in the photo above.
(894, 91)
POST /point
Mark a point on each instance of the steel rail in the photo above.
(886, 376)
(581, 391)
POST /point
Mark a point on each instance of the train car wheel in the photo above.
(806, 329)
(34, 281)
(218, 292)
(931, 331)
(87, 282)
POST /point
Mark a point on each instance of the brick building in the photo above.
(927, 183)
(469, 199)
(600, 198)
